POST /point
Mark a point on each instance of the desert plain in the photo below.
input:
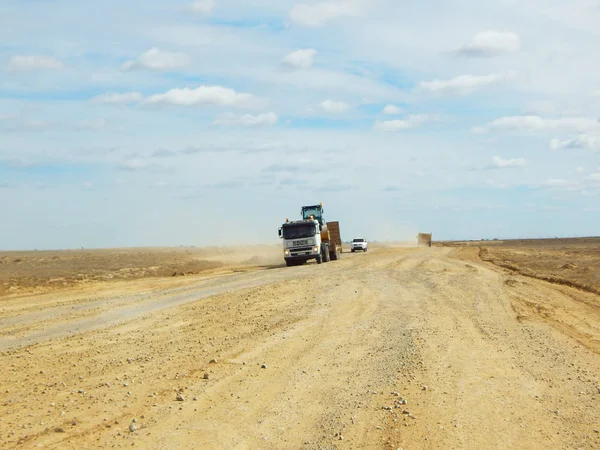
(466, 345)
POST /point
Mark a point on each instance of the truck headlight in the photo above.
(286, 252)
(315, 249)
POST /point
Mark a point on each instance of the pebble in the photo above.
(406, 411)
(133, 427)
(195, 399)
(387, 408)
(424, 388)
(396, 394)
(59, 430)
(205, 376)
(180, 398)
(212, 361)
(264, 366)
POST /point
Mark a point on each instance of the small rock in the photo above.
(424, 388)
(80, 391)
(205, 376)
(396, 394)
(406, 411)
(212, 361)
(133, 427)
(387, 408)
(341, 438)
(74, 423)
(264, 366)
(59, 430)
(196, 399)
(180, 398)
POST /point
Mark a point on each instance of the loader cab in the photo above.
(315, 212)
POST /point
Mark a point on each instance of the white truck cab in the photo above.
(359, 244)
(301, 241)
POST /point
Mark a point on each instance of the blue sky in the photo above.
(209, 122)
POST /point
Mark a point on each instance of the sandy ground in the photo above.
(412, 348)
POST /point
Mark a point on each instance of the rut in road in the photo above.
(342, 345)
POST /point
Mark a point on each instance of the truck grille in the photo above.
(301, 249)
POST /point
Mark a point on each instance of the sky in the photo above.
(209, 122)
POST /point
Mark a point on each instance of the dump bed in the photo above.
(424, 239)
(334, 233)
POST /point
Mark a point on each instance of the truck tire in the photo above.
(319, 259)
(289, 263)
(352, 250)
(334, 255)
(327, 254)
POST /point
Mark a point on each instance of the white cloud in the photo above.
(319, 13)
(558, 182)
(158, 60)
(300, 59)
(248, 120)
(496, 184)
(118, 99)
(537, 123)
(464, 84)
(392, 110)
(584, 141)
(491, 43)
(133, 165)
(331, 106)
(93, 125)
(205, 95)
(499, 163)
(33, 62)
(411, 121)
(203, 6)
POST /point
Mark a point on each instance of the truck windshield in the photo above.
(298, 231)
(359, 240)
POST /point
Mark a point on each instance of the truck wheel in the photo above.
(325, 252)
(327, 255)
(290, 263)
(334, 255)
(319, 259)
(352, 250)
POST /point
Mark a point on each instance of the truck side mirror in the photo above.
(280, 232)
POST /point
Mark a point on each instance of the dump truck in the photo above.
(311, 237)
(424, 239)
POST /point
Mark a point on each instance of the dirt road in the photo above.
(397, 348)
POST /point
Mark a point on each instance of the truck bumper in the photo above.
(299, 259)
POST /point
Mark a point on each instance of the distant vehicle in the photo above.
(424, 239)
(359, 244)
